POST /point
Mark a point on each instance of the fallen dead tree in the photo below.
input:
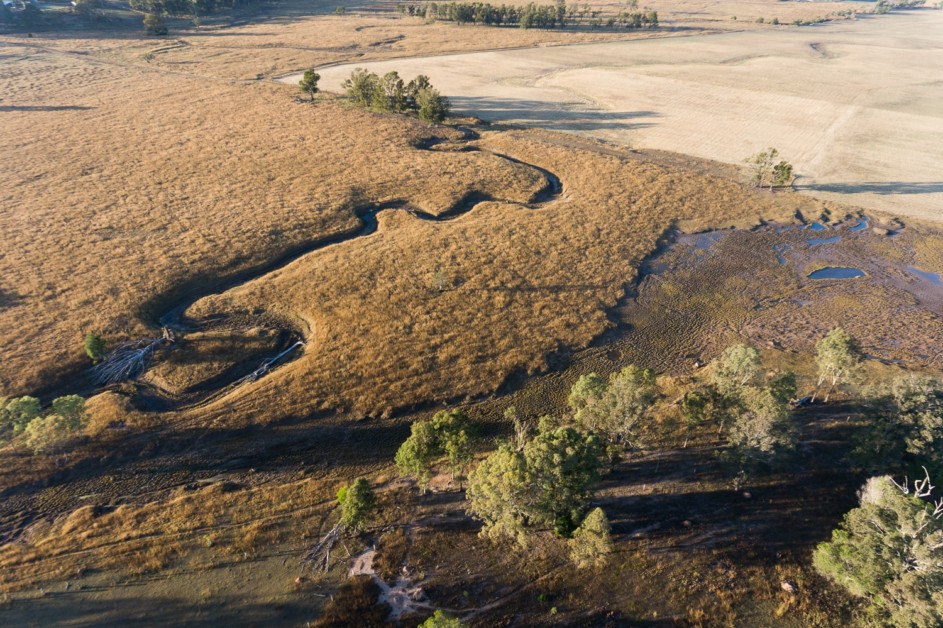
(319, 556)
(129, 358)
(267, 364)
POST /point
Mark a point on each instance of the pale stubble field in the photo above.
(854, 105)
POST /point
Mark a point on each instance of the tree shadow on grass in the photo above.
(88, 608)
(550, 115)
(882, 188)
(693, 505)
(44, 108)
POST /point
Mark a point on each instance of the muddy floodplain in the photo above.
(785, 286)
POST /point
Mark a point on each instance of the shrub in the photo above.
(47, 434)
(154, 25)
(95, 347)
(358, 503)
(15, 414)
(441, 619)
(591, 543)
(433, 106)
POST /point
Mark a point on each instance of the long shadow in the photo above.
(44, 108)
(9, 299)
(134, 608)
(550, 114)
(814, 489)
(888, 188)
(156, 460)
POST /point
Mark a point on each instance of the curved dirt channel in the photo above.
(285, 341)
(852, 104)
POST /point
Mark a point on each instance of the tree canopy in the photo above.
(309, 83)
(890, 550)
(546, 485)
(358, 503)
(838, 354)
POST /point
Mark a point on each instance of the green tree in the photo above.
(547, 485)
(703, 405)
(154, 25)
(764, 170)
(500, 493)
(591, 543)
(95, 347)
(738, 366)
(417, 454)
(453, 439)
(837, 356)
(562, 464)
(413, 88)
(783, 387)
(441, 619)
(627, 400)
(586, 400)
(906, 428)
(309, 83)
(390, 93)
(433, 106)
(762, 426)
(890, 550)
(361, 86)
(15, 414)
(358, 503)
(781, 174)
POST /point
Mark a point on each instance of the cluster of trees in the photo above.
(24, 417)
(544, 484)
(532, 15)
(178, 8)
(28, 15)
(390, 93)
(446, 437)
(751, 408)
(766, 171)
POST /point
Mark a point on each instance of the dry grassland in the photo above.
(526, 282)
(130, 189)
(140, 178)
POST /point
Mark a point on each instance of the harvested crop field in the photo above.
(851, 104)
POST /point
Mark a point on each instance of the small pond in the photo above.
(818, 241)
(933, 278)
(836, 272)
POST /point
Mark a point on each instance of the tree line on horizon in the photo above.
(531, 15)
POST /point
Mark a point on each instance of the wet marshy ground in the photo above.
(784, 286)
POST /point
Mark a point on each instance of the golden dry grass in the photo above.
(527, 282)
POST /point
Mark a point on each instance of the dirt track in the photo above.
(852, 104)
